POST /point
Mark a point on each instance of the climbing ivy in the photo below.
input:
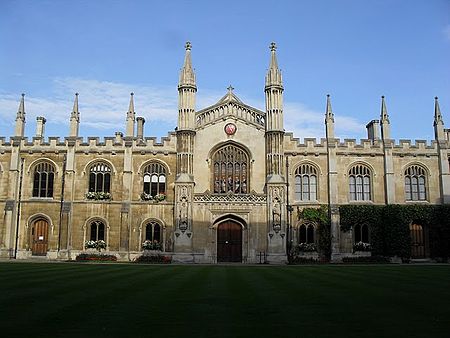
(320, 217)
(389, 226)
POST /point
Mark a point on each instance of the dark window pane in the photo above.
(107, 183)
(357, 233)
(365, 233)
(101, 231)
(36, 185)
(310, 234)
(148, 232)
(302, 234)
(157, 232)
(50, 185)
(93, 232)
(43, 185)
(91, 182)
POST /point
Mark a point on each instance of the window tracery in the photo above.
(415, 184)
(44, 174)
(154, 179)
(359, 183)
(306, 183)
(100, 178)
(230, 170)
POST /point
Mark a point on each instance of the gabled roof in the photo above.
(230, 105)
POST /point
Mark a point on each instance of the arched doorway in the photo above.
(417, 241)
(229, 242)
(39, 238)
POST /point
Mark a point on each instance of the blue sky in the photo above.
(354, 50)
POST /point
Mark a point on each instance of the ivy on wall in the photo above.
(319, 216)
(389, 226)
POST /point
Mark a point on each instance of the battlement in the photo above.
(91, 144)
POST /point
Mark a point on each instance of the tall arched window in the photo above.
(415, 184)
(44, 174)
(359, 183)
(100, 178)
(97, 231)
(361, 233)
(306, 183)
(154, 179)
(230, 170)
(153, 231)
(306, 234)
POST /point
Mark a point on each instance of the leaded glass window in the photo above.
(415, 184)
(359, 183)
(155, 179)
(153, 231)
(44, 175)
(230, 170)
(97, 231)
(305, 188)
(306, 234)
(361, 233)
(100, 178)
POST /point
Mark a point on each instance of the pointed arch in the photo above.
(416, 181)
(360, 182)
(34, 163)
(306, 177)
(230, 168)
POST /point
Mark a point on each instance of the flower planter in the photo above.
(309, 254)
(152, 252)
(362, 253)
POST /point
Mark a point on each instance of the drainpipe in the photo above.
(288, 212)
(18, 207)
(61, 204)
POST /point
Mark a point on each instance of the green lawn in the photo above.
(88, 300)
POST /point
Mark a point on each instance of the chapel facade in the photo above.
(226, 186)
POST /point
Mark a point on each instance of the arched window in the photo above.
(100, 178)
(154, 179)
(97, 231)
(306, 234)
(415, 184)
(44, 175)
(153, 231)
(361, 233)
(306, 183)
(359, 183)
(230, 170)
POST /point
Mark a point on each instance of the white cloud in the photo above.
(103, 106)
(305, 122)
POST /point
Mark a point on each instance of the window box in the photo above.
(150, 246)
(98, 196)
(156, 199)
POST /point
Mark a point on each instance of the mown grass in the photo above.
(115, 300)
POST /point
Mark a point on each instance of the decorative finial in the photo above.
(436, 98)
(328, 95)
(382, 96)
(76, 94)
(23, 94)
(131, 93)
(188, 45)
(230, 89)
(273, 46)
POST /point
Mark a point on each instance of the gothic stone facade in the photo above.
(226, 186)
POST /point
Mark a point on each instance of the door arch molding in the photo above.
(229, 239)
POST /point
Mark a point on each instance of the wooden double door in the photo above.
(39, 238)
(229, 242)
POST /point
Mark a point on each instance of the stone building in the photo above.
(226, 186)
